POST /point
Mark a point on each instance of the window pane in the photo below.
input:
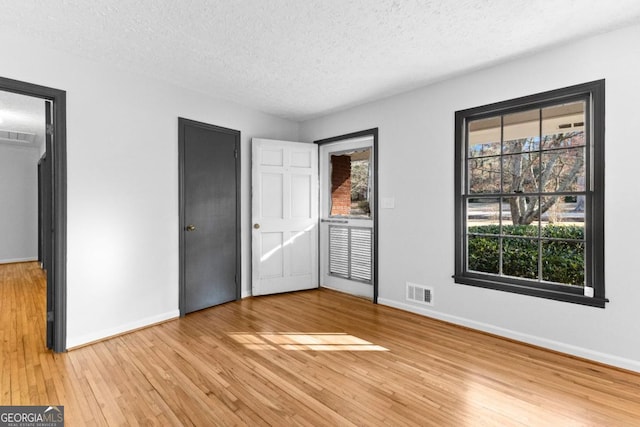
(564, 211)
(350, 184)
(484, 254)
(484, 149)
(529, 230)
(563, 170)
(563, 261)
(520, 257)
(563, 140)
(524, 211)
(483, 216)
(484, 175)
(484, 137)
(360, 184)
(563, 125)
(564, 231)
(520, 172)
(522, 131)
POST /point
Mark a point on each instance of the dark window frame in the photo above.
(594, 94)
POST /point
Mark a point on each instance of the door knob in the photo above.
(191, 227)
(256, 226)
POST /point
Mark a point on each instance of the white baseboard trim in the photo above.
(608, 359)
(73, 342)
(14, 260)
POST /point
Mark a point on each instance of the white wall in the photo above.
(122, 149)
(416, 152)
(18, 203)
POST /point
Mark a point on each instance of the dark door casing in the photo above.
(210, 212)
(47, 222)
(56, 259)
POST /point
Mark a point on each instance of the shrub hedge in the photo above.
(562, 260)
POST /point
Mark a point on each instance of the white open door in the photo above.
(284, 216)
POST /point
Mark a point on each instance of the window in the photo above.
(351, 184)
(530, 195)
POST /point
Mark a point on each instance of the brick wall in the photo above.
(340, 185)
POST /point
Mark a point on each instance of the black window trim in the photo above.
(594, 92)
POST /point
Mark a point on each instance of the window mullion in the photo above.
(500, 199)
(540, 194)
(588, 191)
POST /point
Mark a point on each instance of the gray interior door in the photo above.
(210, 250)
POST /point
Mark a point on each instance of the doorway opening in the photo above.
(348, 213)
(41, 189)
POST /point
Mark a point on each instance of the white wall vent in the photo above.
(419, 293)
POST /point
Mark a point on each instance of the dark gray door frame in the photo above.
(182, 124)
(373, 133)
(59, 165)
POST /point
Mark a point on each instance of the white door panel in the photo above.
(284, 216)
(346, 240)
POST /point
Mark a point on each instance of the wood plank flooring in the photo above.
(310, 358)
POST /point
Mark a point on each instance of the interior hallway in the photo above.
(307, 358)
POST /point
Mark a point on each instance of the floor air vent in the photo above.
(419, 293)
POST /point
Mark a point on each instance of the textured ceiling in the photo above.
(303, 58)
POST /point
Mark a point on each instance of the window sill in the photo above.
(573, 298)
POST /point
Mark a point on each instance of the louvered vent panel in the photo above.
(350, 250)
(339, 251)
(361, 254)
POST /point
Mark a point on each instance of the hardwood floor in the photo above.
(309, 358)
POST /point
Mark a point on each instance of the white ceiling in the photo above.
(300, 59)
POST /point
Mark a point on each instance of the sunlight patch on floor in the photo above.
(303, 341)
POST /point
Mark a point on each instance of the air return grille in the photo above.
(419, 293)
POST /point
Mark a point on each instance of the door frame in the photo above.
(58, 285)
(372, 133)
(182, 124)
